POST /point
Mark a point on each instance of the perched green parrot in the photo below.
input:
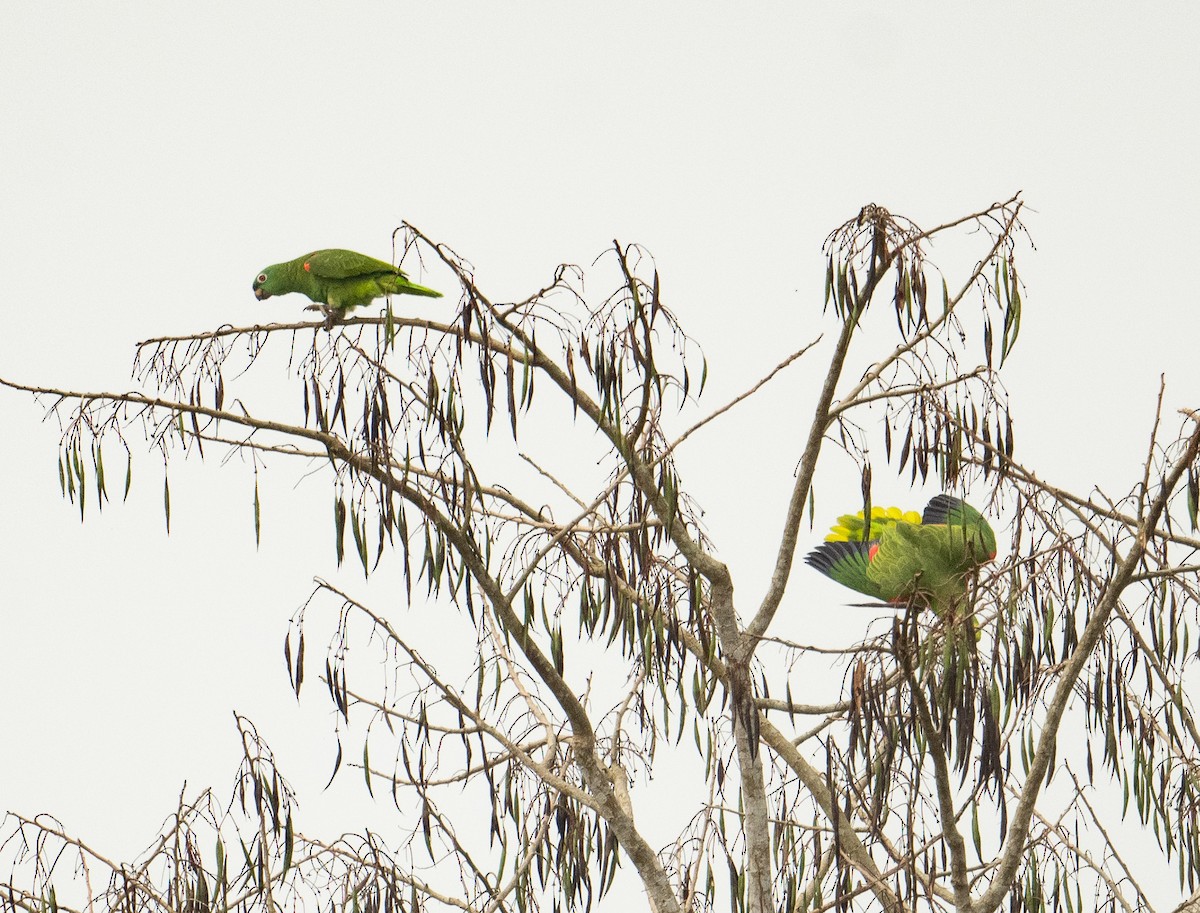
(337, 280)
(905, 559)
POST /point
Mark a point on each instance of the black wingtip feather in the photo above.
(939, 508)
(846, 563)
(827, 554)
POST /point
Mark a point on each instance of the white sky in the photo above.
(154, 156)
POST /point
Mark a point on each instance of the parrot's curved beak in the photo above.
(261, 295)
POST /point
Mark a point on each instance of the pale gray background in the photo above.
(155, 156)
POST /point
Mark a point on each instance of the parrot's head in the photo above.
(267, 283)
(986, 541)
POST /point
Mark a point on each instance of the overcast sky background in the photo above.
(153, 157)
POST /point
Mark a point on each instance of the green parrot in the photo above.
(907, 559)
(337, 280)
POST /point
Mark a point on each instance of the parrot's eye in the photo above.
(262, 277)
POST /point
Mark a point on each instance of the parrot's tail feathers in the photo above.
(404, 287)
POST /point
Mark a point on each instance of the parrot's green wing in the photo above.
(847, 563)
(900, 563)
(335, 263)
(971, 532)
(849, 551)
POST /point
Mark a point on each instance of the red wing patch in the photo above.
(307, 267)
(872, 551)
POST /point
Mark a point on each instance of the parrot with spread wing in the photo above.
(906, 559)
(337, 280)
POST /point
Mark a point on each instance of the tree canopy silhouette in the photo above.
(517, 461)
